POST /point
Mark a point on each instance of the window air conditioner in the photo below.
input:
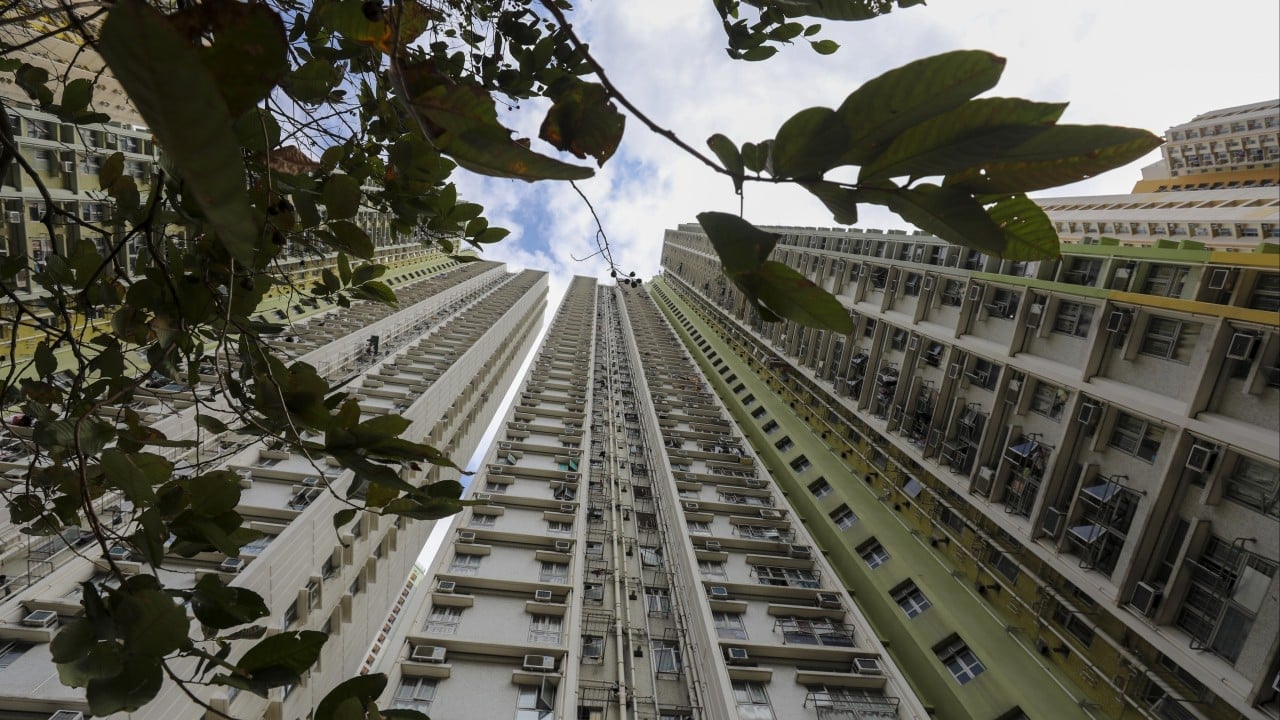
(41, 619)
(1145, 596)
(1034, 314)
(568, 508)
(736, 656)
(800, 552)
(310, 481)
(68, 166)
(231, 565)
(718, 592)
(1088, 413)
(770, 514)
(1218, 278)
(428, 653)
(482, 497)
(691, 506)
(830, 601)
(504, 445)
(446, 586)
(1118, 321)
(15, 217)
(119, 552)
(1241, 346)
(571, 477)
(563, 546)
(712, 545)
(913, 343)
(67, 715)
(928, 283)
(867, 666)
(975, 292)
(466, 536)
(1054, 521)
(542, 596)
(539, 663)
(953, 370)
(1201, 457)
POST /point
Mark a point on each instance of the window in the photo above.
(1074, 624)
(535, 702)
(748, 399)
(657, 601)
(843, 517)
(650, 557)
(1255, 485)
(786, 576)
(785, 444)
(752, 700)
(729, 625)
(910, 599)
(313, 594)
(849, 703)
(952, 293)
(1073, 319)
(554, 572)
(39, 129)
(1165, 280)
(482, 521)
(255, 546)
(801, 464)
(820, 488)
(444, 620)
(465, 564)
(711, 568)
(1169, 339)
(1048, 400)
(290, 615)
(758, 412)
(595, 549)
(874, 554)
(699, 527)
(593, 592)
(415, 693)
(815, 631)
(770, 426)
(545, 629)
(1005, 566)
(497, 488)
(960, 660)
(1135, 436)
(11, 651)
(666, 656)
(592, 647)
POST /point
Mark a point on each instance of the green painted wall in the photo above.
(1015, 676)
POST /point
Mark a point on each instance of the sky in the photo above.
(1141, 63)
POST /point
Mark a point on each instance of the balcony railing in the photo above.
(850, 706)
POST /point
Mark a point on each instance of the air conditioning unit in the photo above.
(428, 653)
(801, 552)
(712, 545)
(15, 217)
(495, 470)
(1118, 321)
(928, 283)
(310, 481)
(1034, 314)
(1088, 413)
(482, 497)
(1054, 522)
(913, 343)
(563, 546)
(231, 565)
(691, 506)
(1241, 346)
(982, 485)
(119, 552)
(540, 663)
(867, 666)
(504, 445)
(1201, 457)
(542, 596)
(67, 715)
(980, 377)
(568, 508)
(466, 536)
(770, 514)
(446, 586)
(718, 592)
(830, 601)
(68, 166)
(755, 483)
(571, 477)
(1218, 278)
(953, 370)
(41, 619)
(975, 292)
(1145, 596)
(736, 656)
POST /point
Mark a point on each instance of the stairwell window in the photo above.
(554, 572)
(545, 629)
(910, 599)
(874, 554)
(465, 564)
(415, 693)
(843, 517)
(666, 656)
(801, 464)
(752, 700)
(770, 426)
(785, 444)
(820, 488)
(960, 660)
(729, 625)
(444, 620)
(1254, 484)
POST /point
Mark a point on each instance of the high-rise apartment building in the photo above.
(631, 557)
(441, 359)
(1089, 444)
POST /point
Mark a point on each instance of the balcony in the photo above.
(814, 631)
(851, 704)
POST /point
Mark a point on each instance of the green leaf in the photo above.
(377, 291)
(136, 683)
(221, 607)
(248, 53)
(730, 158)
(122, 472)
(584, 121)
(344, 268)
(740, 245)
(179, 100)
(885, 106)
(755, 156)
(950, 214)
(46, 363)
(824, 47)
(791, 295)
(760, 52)
(351, 238)
(461, 120)
(1060, 155)
(211, 423)
(490, 235)
(838, 9)
(343, 517)
(281, 659)
(367, 272)
(363, 690)
(977, 131)
(808, 144)
(153, 623)
(341, 196)
(76, 96)
(1028, 232)
(841, 201)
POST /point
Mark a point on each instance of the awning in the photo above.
(1088, 533)
(1103, 492)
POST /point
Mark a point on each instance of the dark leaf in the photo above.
(1062, 154)
(950, 214)
(808, 144)
(341, 196)
(841, 201)
(740, 245)
(790, 295)
(730, 158)
(583, 121)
